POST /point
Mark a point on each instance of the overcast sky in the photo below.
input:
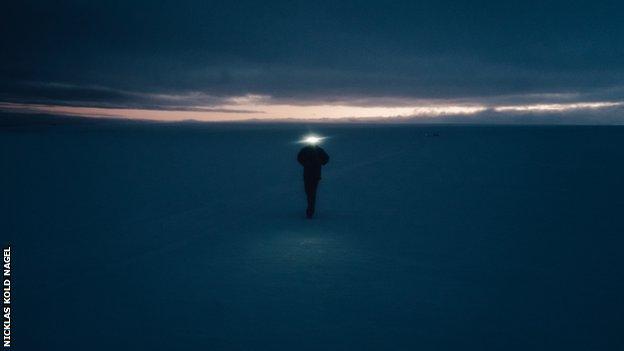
(314, 59)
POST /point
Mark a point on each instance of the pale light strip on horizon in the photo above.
(557, 107)
(267, 111)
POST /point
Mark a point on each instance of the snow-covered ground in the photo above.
(132, 236)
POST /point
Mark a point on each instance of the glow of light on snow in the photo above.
(297, 248)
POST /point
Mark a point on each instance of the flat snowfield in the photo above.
(140, 236)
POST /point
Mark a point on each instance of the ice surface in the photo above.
(134, 236)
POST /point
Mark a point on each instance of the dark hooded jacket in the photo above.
(312, 157)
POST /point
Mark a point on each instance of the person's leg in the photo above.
(314, 188)
(308, 190)
(311, 186)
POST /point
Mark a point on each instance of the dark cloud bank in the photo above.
(182, 54)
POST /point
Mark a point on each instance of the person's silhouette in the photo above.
(311, 157)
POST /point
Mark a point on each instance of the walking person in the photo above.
(312, 157)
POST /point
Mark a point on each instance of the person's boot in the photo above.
(309, 212)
